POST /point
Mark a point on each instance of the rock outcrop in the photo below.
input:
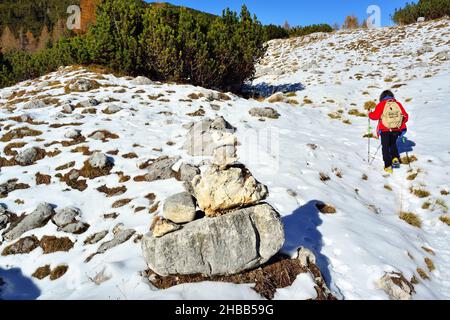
(396, 286)
(228, 244)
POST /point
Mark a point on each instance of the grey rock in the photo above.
(38, 218)
(34, 104)
(24, 245)
(82, 85)
(112, 109)
(264, 113)
(99, 160)
(187, 172)
(27, 156)
(76, 227)
(161, 169)
(305, 256)
(68, 108)
(420, 19)
(7, 187)
(119, 237)
(96, 237)
(65, 216)
(200, 140)
(138, 81)
(72, 134)
(98, 136)
(396, 286)
(443, 55)
(238, 241)
(179, 208)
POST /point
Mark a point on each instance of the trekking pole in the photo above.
(373, 159)
(368, 141)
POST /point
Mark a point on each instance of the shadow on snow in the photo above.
(266, 90)
(15, 286)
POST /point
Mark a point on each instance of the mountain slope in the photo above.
(306, 156)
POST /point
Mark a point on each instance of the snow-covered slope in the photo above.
(314, 135)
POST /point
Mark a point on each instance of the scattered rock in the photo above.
(96, 237)
(139, 81)
(42, 272)
(305, 256)
(52, 244)
(111, 109)
(65, 217)
(82, 85)
(77, 227)
(67, 108)
(120, 236)
(10, 186)
(73, 134)
(58, 272)
(38, 218)
(396, 286)
(218, 190)
(161, 169)
(99, 160)
(23, 245)
(161, 227)
(179, 208)
(29, 156)
(34, 104)
(187, 172)
(325, 208)
(277, 97)
(264, 113)
(238, 241)
(224, 156)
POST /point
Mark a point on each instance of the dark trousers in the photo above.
(389, 145)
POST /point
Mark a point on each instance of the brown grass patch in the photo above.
(89, 111)
(41, 272)
(445, 219)
(27, 119)
(155, 97)
(122, 177)
(60, 125)
(82, 149)
(307, 101)
(120, 203)
(326, 208)
(422, 274)
(408, 159)
(66, 166)
(369, 105)
(430, 265)
(199, 113)
(357, 113)
(139, 209)
(131, 155)
(90, 172)
(420, 193)
(444, 192)
(323, 177)
(223, 96)
(195, 96)
(280, 272)
(43, 179)
(9, 148)
(388, 187)
(428, 250)
(52, 244)
(20, 133)
(58, 272)
(411, 218)
(112, 192)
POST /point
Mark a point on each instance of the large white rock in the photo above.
(219, 190)
(238, 241)
(396, 286)
(139, 81)
(38, 218)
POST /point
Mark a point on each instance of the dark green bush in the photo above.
(272, 31)
(429, 9)
(161, 41)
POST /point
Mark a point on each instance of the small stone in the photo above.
(65, 216)
(72, 134)
(179, 208)
(27, 157)
(96, 237)
(139, 81)
(99, 160)
(161, 227)
(305, 256)
(68, 108)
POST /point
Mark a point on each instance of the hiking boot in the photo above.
(396, 163)
(389, 170)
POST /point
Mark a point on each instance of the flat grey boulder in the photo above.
(139, 81)
(179, 208)
(161, 169)
(235, 242)
(34, 104)
(38, 218)
(83, 85)
(65, 216)
(264, 113)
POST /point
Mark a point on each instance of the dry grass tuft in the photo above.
(20, 133)
(120, 203)
(420, 193)
(9, 148)
(112, 192)
(411, 218)
(445, 219)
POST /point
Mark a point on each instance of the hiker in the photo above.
(392, 125)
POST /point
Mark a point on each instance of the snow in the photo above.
(353, 247)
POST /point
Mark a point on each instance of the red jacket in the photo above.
(378, 112)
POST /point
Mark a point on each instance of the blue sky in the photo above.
(298, 12)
